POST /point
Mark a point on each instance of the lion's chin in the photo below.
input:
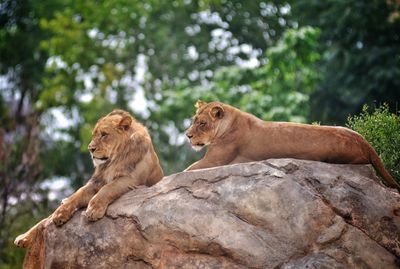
(198, 147)
(98, 161)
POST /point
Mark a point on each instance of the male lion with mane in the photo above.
(123, 156)
(233, 136)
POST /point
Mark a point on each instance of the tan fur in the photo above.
(234, 136)
(124, 158)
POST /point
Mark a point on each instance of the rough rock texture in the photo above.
(280, 213)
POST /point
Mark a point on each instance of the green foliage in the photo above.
(277, 90)
(382, 129)
(360, 59)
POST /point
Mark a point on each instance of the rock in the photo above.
(279, 213)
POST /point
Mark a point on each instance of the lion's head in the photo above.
(206, 124)
(110, 135)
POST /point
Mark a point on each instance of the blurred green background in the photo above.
(65, 63)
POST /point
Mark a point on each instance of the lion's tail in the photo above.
(380, 168)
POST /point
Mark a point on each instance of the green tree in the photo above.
(360, 41)
(21, 160)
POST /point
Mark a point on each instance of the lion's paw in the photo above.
(95, 211)
(62, 215)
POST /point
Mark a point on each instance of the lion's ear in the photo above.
(125, 123)
(199, 104)
(217, 112)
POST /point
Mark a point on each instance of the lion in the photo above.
(233, 136)
(124, 158)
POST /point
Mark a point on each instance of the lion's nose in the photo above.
(189, 135)
(91, 148)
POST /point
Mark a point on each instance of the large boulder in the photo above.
(279, 213)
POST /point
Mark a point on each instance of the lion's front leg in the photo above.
(108, 193)
(215, 156)
(77, 200)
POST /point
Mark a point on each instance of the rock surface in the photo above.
(279, 213)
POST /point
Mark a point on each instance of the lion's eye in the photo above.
(202, 123)
(103, 134)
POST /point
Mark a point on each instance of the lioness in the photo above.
(123, 156)
(233, 136)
